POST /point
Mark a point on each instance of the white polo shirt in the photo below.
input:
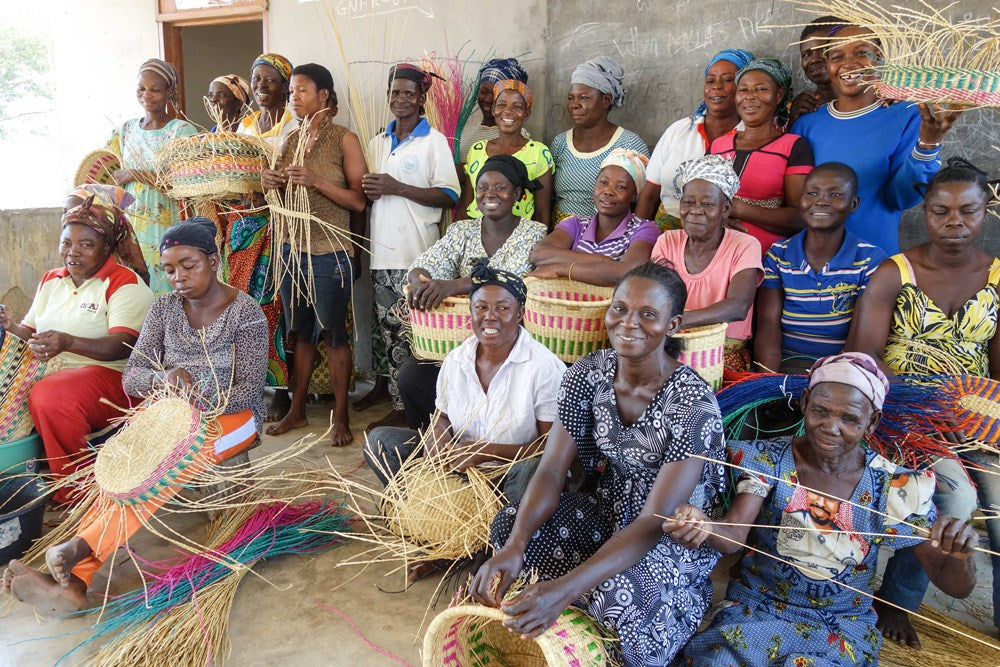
(523, 392)
(401, 228)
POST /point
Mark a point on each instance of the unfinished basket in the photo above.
(703, 349)
(435, 333)
(942, 85)
(567, 316)
(19, 370)
(97, 167)
(212, 165)
(473, 636)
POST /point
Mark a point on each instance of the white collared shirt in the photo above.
(522, 393)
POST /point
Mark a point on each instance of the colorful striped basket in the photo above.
(217, 165)
(19, 370)
(942, 85)
(97, 167)
(703, 349)
(435, 333)
(567, 316)
(473, 636)
(977, 407)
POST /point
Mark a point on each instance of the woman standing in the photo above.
(269, 81)
(481, 125)
(812, 43)
(229, 97)
(136, 144)
(331, 172)
(595, 87)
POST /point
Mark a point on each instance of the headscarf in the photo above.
(413, 73)
(605, 75)
(196, 232)
(631, 161)
(512, 169)
(165, 70)
(712, 168)
(738, 57)
(112, 226)
(278, 62)
(109, 195)
(775, 69)
(499, 69)
(483, 274)
(513, 84)
(855, 369)
(239, 86)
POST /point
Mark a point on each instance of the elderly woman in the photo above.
(511, 108)
(601, 249)
(691, 137)
(635, 407)
(88, 314)
(414, 183)
(205, 335)
(721, 267)
(229, 97)
(274, 121)
(891, 147)
(772, 165)
(318, 276)
(481, 125)
(934, 309)
(797, 598)
(136, 144)
(812, 42)
(595, 87)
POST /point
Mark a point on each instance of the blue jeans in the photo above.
(317, 311)
(905, 581)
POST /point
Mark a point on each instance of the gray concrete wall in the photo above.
(30, 239)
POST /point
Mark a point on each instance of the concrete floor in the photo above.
(279, 621)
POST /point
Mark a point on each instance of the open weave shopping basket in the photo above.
(212, 165)
(435, 333)
(567, 316)
(703, 349)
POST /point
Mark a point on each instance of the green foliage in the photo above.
(24, 66)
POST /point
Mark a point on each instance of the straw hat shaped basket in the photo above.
(435, 333)
(567, 316)
(703, 349)
(19, 370)
(212, 165)
(473, 636)
(97, 167)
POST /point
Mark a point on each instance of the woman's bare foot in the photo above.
(279, 405)
(342, 435)
(394, 418)
(378, 394)
(895, 625)
(43, 592)
(287, 423)
(62, 558)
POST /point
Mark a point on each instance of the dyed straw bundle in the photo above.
(567, 316)
(436, 332)
(19, 370)
(212, 165)
(977, 409)
(444, 100)
(939, 647)
(703, 349)
(97, 167)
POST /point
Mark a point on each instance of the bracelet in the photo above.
(569, 274)
(927, 147)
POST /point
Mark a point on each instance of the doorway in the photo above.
(208, 51)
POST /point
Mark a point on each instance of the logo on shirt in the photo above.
(411, 163)
(90, 307)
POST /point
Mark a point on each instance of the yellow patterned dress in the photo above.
(941, 342)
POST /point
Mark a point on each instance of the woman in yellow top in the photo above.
(269, 76)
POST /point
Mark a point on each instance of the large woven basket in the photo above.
(213, 165)
(97, 167)
(435, 333)
(703, 349)
(943, 85)
(567, 316)
(19, 370)
(473, 636)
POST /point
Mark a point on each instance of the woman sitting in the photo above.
(511, 108)
(771, 164)
(595, 87)
(127, 251)
(601, 249)
(934, 309)
(229, 97)
(802, 596)
(721, 267)
(88, 314)
(205, 335)
(636, 407)
(691, 137)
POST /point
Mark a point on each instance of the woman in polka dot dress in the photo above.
(642, 414)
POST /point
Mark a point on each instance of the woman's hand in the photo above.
(935, 121)
(48, 344)
(536, 608)
(6, 321)
(123, 176)
(506, 565)
(272, 179)
(302, 176)
(178, 377)
(546, 271)
(429, 293)
(953, 537)
(687, 526)
(805, 102)
(378, 185)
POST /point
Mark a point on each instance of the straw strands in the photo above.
(445, 99)
(212, 165)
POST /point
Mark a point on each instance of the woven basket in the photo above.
(977, 407)
(215, 165)
(567, 316)
(435, 333)
(943, 85)
(97, 167)
(473, 636)
(703, 350)
(19, 370)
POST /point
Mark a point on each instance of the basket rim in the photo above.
(450, 301)
(598, 290)
(703, 331)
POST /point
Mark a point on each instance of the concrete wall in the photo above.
(30, 239)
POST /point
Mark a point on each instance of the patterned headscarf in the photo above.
(513, 84)
(855, 369)
(413, 73)
(197, 232)
(631, 161)
(112, 226)
(278, 62)
(499, 69)
(775, 69)
(165, 70)
(715, 169)
(512, 169)
(605, 75)
(239, 86)
(738, 57)
(483, 274)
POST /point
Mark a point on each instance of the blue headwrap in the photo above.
(501, 69)
(738, 57)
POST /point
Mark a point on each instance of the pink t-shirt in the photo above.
(738, 251)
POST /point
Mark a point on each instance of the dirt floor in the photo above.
(305, 610)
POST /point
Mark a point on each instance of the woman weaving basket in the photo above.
(204, 335)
